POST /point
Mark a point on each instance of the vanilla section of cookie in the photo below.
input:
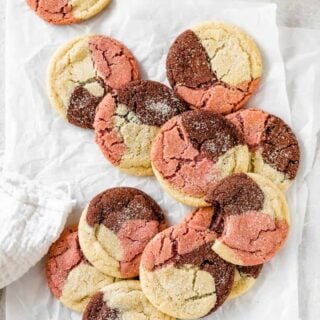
(274, 146)
(67, 11)
(245, 277)
(194, 151)
(116, 227)
(71, 278)
(128, 120)
(214, 66)
(179, 272)
(83, 71)
(251, 219)
(122, 301)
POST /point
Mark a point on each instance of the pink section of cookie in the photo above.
(200, 219)
(254, 236)
(174, 156)
(134, 235)
(113, 61)
(64, 255)
(109, 141)
(219, 98)
(53, 11)
(251, 122)
(175, 241)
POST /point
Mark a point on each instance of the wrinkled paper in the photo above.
(41, 145)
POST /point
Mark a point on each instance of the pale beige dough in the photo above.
(128, 299)
(234, 56)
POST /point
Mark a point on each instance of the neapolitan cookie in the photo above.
(274, 146)
(214, 66)
(83, 71)
(194, 151)
(128, 120)
(122, 301)
(115, 228)
(71, 278)
(244, 277)
(67, 11)
(179, 272)
(251, 218)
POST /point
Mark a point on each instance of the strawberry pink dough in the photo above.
(254, 236)
(174, 156)
(110, 142)
(251, 122)
(64, 255)
(134, 235)
(113, 61)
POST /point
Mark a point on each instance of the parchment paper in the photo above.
(43, 146)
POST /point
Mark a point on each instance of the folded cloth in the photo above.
(31, 217)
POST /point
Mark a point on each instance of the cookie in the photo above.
(115, 228)
(244, 277)
(67, 11)
(179, 272)
(128, 121)
(274, 146)
(123, 300)
(194, 151)
(71, 278)
(214, 66)
(83, 71)
(251, 219)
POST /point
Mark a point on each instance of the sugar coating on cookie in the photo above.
(67, 11)
(179, 272)
(245, 276)
(274, 146)
(251, 219)
(71, 278)
(122, 300)
(214, 66)
(128, 120)
(83, 71)
(116, 227)
(194, 151)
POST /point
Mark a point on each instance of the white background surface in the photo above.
(292, 13)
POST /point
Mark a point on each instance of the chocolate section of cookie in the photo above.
(280, 147)
(115, 206)
(98, 310)
(152, 102)
(82, 106)
(221, 271)
(250, 271)
(187, 62)
(232, 196)
(211, 133)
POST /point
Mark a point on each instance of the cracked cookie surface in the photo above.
(128, 120)
(83, 71)
(71, 278)
(122, 301)
(179, 272)
(273, 145)
(245, 276)
(115, 228)
(214, 66)
(251, 219)
(67, 11)
(194, 151)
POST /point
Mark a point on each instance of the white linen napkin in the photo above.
(31, 217)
